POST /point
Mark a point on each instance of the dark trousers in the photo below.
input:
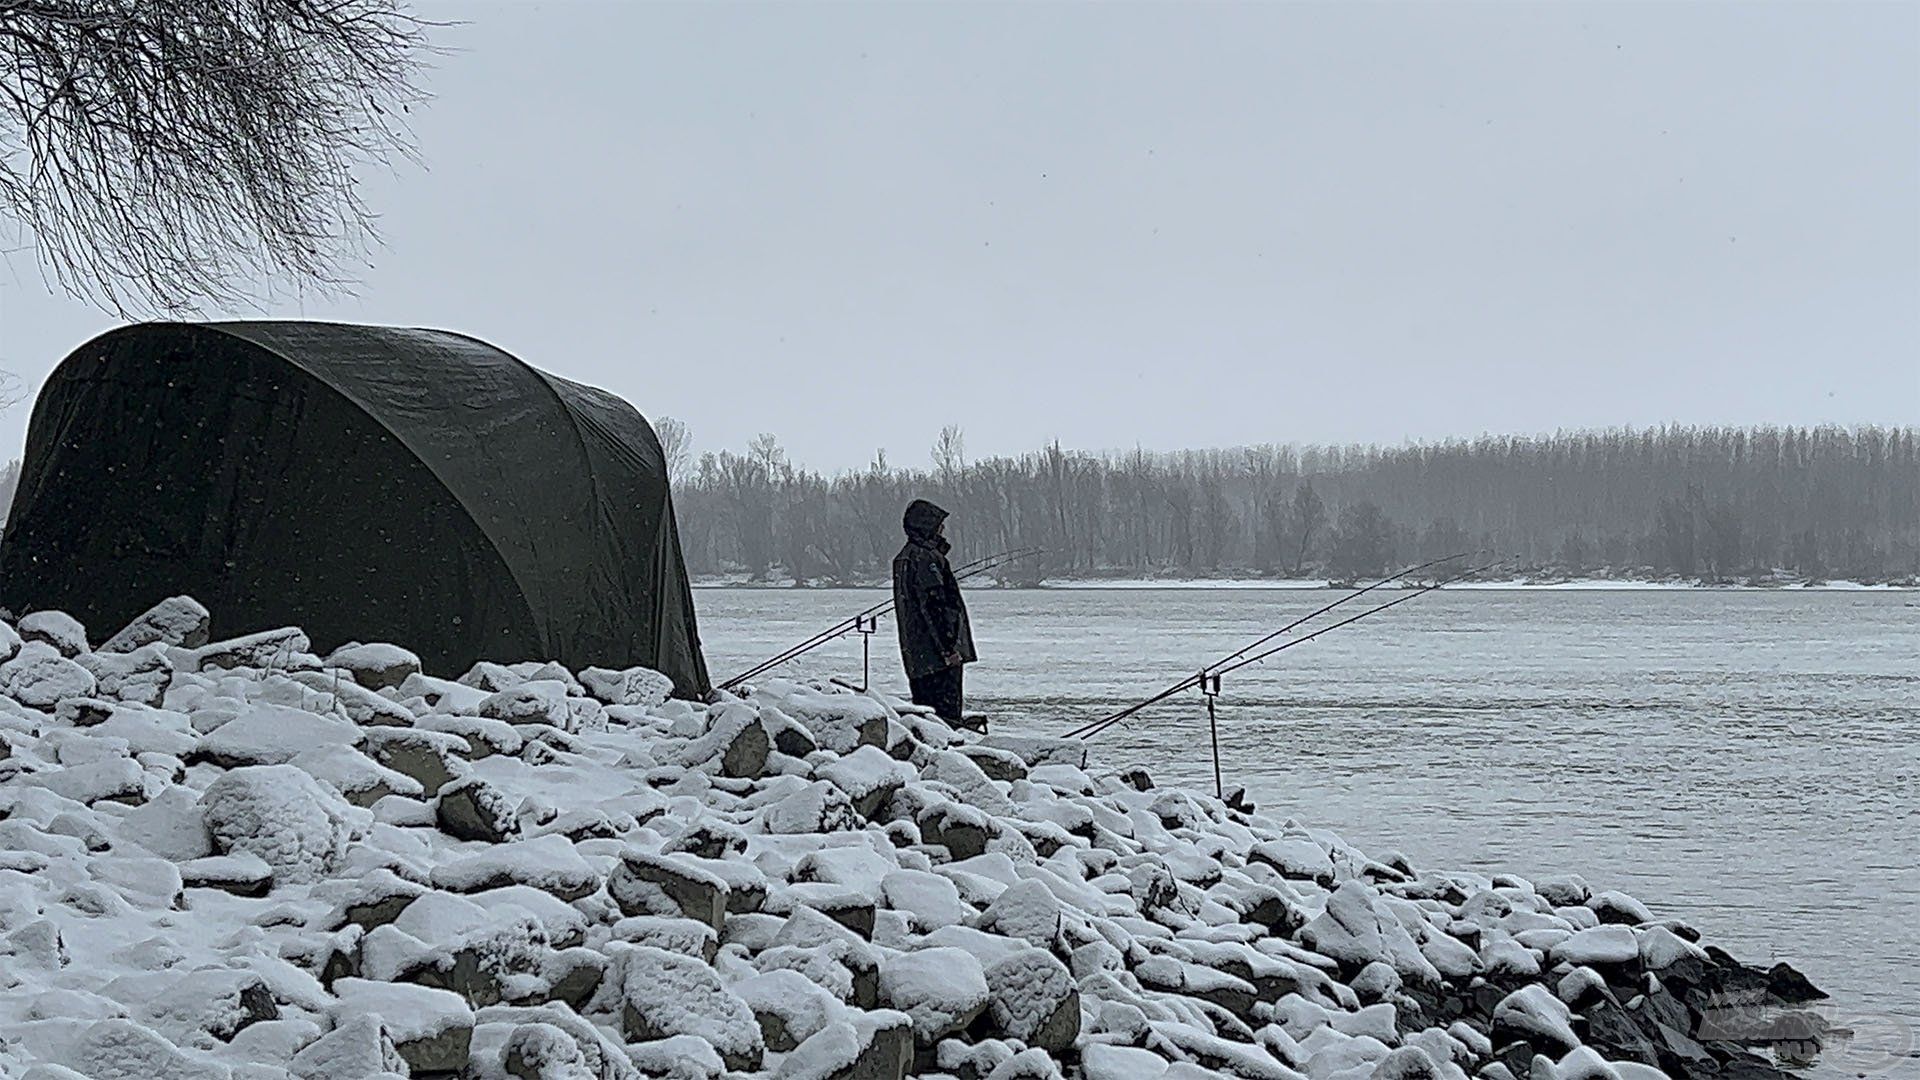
(940, 691)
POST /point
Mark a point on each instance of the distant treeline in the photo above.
(1717, 504)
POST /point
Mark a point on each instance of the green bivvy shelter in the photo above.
(365, 483)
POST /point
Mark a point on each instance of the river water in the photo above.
(1746, 760)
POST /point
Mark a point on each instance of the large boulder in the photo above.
(870, 1046)
(56, 628)
(283, 816)
(1033, 999)
(789, 1006)
(375, 666)
(140, 675)
(178, 620)
(170, 825)
(548, 863)
(539, 702)
(220, 1003)
(266, 734)
(117, 1048)
(736, 745)
(362, 780)
(118, 779)
(431, 1029)
(434, 758)
(818, 807)
(359, 1048)
(333, 692)
(1028, 911)
(1297, 858)
(1604, 947)
(665, 994)
(274, 650)
(472, 809)
(39, 677)
(1533, 1015)
(636, 686)
(869, 777)
(941, 989)
(647, 884)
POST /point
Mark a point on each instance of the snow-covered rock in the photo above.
(266, 734)
(170, 825)
(176, 621)
(140, 675)
(431, 1029)
(548, 863)
(284, 649)
(40, 677)
(644, 884)
(56, 628)
(362, 780)
(117, 1049)
(666, 994)
(376, 666)
(1032, 997)
(639, 687)
(283, 817)
(941, 989)
(876, 1044)
(1534, 1013)
(359, 1048)
(473, 809)
(1599, 946)
(433, 759)
(119, 779)
(789, 1006)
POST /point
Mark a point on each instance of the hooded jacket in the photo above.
(927, 606)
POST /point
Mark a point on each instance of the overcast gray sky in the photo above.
(1172, 224)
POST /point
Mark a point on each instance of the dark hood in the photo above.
(921, 518)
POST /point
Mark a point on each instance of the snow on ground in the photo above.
(250, 862)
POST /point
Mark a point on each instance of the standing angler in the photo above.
(936, 640)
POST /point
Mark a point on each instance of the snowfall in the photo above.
(241, 860)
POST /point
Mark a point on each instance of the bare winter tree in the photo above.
(167, 153)
(1308, 514)
(676, 445)
(9, 483)
(950, 451)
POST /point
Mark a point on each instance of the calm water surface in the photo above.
(1749, 761)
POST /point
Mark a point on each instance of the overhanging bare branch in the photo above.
(171, 154)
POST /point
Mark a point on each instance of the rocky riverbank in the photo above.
(242, 860)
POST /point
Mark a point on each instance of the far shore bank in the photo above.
(1309, 584)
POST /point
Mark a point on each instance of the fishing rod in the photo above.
(870, 616)
(1210, 677)
(839, 628)
(1194, 680)
(1382, 583)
